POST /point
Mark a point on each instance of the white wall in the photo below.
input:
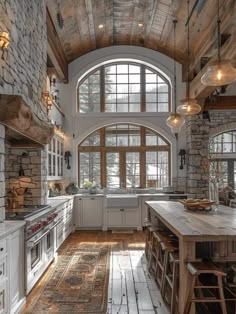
(78, 126)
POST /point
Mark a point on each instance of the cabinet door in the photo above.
(92, 212)
(132, 217)
(114, 217)
(78, 208)
(3, 298)
(16, 270)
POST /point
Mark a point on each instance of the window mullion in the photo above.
(143, 169)
(122, 169)
(102, 89)
(143, 89)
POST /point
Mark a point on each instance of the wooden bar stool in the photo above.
(196, 269)
(164, 247)
(171, 274)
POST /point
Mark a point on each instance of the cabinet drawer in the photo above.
(3, 298)
(3, 247)
(3, 268)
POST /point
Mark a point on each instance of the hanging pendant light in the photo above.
(219, 72)
(190, 105)
(175, 121)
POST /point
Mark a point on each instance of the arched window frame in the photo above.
(122, 150)
(143, 93)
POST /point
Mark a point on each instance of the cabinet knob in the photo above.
(1, 249)
(122, 210)
(0, 272)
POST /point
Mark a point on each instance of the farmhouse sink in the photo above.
(122, 200)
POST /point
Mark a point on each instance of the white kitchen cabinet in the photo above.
(55, 158)
(66, 225)
(89, 212)
(123, 218)
(16, 271)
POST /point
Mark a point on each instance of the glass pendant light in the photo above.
(219, 72)
(175, 121)
(190, 105)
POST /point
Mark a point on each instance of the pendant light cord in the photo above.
(218, 29)
(188, 57)
(175, 96)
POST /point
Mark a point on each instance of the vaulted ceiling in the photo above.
(74, 27)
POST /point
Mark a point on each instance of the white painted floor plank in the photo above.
(143, 295)
(117, 309)
(132, 290)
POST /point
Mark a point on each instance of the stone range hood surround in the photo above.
(17, 115)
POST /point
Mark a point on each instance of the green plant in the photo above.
(87, 184)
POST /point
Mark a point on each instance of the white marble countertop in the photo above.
(7, 227)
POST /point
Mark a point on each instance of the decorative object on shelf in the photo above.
(47, 99)
(4, 42)
(219, 72)
(175, 121)
(71, 189)
(67, 158)
(190, 105)
(197, 204)
(182, 154)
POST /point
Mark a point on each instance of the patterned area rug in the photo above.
(78, 284)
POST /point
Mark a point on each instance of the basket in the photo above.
(194, 206)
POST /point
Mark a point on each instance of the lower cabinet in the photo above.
(88, 212)
(16, 256)
(123, 217)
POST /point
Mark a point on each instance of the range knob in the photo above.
(44, 222)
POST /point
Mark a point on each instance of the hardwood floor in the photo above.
(131, 289)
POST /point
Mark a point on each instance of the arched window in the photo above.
(125, 155)
(124, 87)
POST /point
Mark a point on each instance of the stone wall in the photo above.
(198, 134)
(34, 180)
(23, 70)
(2, 174)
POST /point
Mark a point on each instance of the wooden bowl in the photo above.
(197, 205)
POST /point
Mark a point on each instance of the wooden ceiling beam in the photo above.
(220, 103)
(55, 51)
(197, 89)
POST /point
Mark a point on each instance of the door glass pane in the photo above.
(90, 167)
(113, 170)
(132, 170)
(157, 174)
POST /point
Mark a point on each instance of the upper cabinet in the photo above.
(55, 158)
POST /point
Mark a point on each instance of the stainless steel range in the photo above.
(40, 235)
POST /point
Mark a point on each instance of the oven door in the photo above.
(49, 245)
(34, 250)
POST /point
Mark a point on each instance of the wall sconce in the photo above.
(67, 158)
(52, 81)
(47, 99)
(182, 154)
(21, 170)
(4, 42)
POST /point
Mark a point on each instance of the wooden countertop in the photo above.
(213, 225)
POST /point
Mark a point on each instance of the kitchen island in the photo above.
(201, 235)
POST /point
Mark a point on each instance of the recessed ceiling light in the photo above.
(140, 25)
(100, 26)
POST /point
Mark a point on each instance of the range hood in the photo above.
(23, 126)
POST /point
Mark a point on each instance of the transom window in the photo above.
(125, 155)
(124, 87)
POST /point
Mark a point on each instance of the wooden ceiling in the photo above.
(74, 27)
